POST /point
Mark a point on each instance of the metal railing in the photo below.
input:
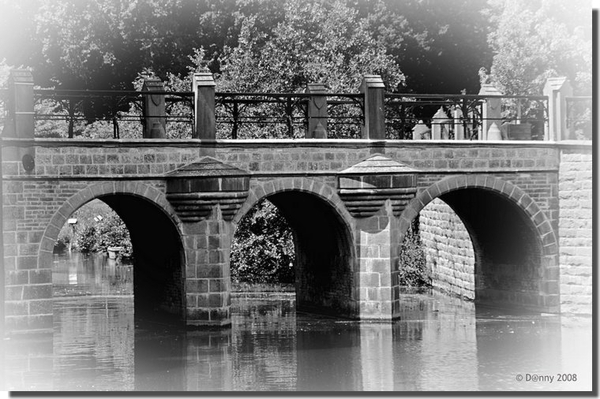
(106, 113)
(371, 114)
(463, 117)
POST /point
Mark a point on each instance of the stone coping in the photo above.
(330, 143)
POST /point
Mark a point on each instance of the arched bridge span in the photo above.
(349, 203)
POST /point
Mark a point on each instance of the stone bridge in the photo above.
(526, 206)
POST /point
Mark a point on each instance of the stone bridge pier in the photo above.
(346, 240)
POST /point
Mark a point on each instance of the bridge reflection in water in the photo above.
(440, 343)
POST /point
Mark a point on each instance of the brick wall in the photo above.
(448, 250)
(575, 229)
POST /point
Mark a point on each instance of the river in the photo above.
(440, 344)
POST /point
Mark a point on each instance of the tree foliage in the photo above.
(263, 247)
(535, 40)
(98, 227)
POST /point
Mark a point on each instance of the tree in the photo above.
(535, 40)
(323, 42)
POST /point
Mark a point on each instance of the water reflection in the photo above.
(440, 344)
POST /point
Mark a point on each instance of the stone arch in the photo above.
(542, 237)
(134, 202)
(323, 240)
(299, 184)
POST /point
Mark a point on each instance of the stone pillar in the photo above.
(204, 100)
(375, 192)
(557, 90)
(374, 91)
(317, 111)
(492, 109)
(206, 195)
(439, 125)
(377, 255)
(155, 116)
(207, 280)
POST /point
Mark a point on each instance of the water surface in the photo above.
(440, 344)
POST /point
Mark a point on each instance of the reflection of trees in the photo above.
(264, 346)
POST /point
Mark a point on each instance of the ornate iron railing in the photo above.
(206, 114)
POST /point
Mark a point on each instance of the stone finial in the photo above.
(439, 124)
(421, 131)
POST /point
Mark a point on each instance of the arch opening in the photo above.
(157, 257)
(507, 248)
(322, 261)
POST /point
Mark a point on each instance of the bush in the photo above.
(263, 248)
(413, 265)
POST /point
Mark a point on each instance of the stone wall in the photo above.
(575, 229)
(448, 250)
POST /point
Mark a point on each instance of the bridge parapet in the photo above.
(371, 113)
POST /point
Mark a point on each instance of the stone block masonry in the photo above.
(575, 228)
(448, 250)
(548, 184)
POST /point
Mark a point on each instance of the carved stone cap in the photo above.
(372, 81)
(153, 84)
(488, 89)
(366, 186)
(207, 166)
(21, 76)
(203, 79)
(377, 163)
(196, 189)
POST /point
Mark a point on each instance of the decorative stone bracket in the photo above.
(366, 186)
(195, 189)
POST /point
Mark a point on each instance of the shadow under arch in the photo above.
(515, 247)
(324, 262)
(159, 259)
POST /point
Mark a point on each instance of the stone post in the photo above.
(204, 99)
(155, 116)
(557, 90)
(374, 91)
(317, 111)
(492, 109)
(20, 120)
